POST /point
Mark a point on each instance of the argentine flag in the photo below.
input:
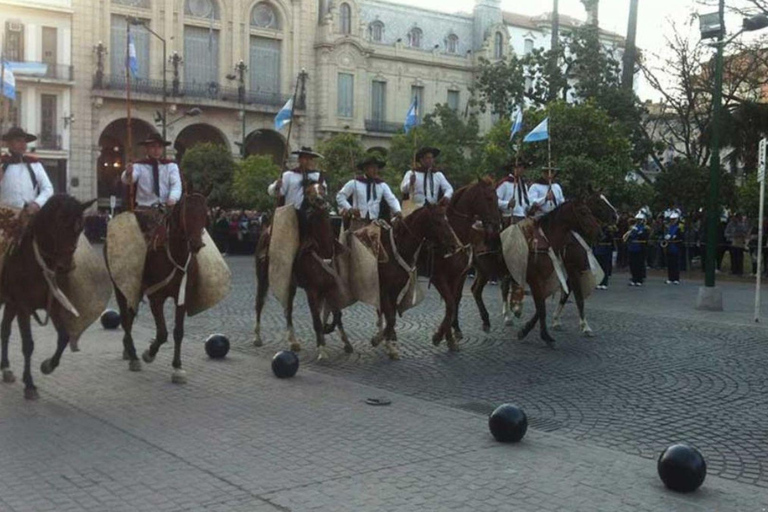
(412, 118)
(9, 82)
(132, 61)
(284, 116)
(517, 123)
(541, 132)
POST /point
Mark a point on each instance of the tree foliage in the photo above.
(342, 152)
(207, 165)
(251, 178)
(686, 184)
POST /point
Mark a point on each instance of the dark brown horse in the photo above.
(166, 268)
(47, 245)
(313, 271)
(474, 216)
(557, 226)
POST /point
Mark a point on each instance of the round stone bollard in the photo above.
(217, 346)
(110, 319)
(285, 364)
(682, 468)
(508, 423)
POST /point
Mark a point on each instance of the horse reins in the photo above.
(180, 298)
(50, 279)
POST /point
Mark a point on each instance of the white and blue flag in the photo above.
(284, 116)
(9, 82)
(133, 62)
(541, 132)
(517, 123)
(412, 118)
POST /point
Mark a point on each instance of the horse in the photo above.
(471, 206)
(576, 262)
(313, 271)
(167, 267)
(574, 215)
(44, 253)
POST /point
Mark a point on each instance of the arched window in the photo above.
(376, 31)
(498, 46)
(452, 43)
(414, 37)
(345, 19)
(207, 9)
(264, 15)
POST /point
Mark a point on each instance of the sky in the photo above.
(653, 19)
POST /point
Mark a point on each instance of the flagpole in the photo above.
(129, 137)
(3, 101)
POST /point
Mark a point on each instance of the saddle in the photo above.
(153, 226)
(370, 236)
(537, 241)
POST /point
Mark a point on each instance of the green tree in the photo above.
(251, 178)
(748, 197)
(207, 165)
(342, 152)
(686, 184)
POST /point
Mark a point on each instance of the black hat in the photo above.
(154, 138)
(371, 159)
(423, 151)
(307, 151)
(16, 132)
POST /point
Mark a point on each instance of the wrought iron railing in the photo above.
(210, 91)
(378, 125)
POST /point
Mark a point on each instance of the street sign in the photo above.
(761, 157)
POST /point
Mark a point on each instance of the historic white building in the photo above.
(219, 70)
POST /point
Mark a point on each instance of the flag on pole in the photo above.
(412, 118)
(517, 122)
(133, 61)
(541, 132)
(9, 82)
(284, 116)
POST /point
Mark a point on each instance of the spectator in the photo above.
(604, 254)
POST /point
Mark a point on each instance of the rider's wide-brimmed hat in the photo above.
(371, 160)
(155, 138)
(16, 132)
(423, 151)
(307, 151)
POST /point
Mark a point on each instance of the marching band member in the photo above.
(545, 194)
(24, 182)
(429, 186)
(637, 238)
(673, 239)
(512, 192)
(290, 187)
(158, 181)
(366, 193)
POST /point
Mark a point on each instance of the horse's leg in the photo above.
(5, 335)
(62, 341)
(344, 339)
(178, 376)
(161, 330)
(578, 295)
(293, 342)
(537, 293)
(477, 292)
(506, 310)
(540, 301)
(457, 294)
(444, 330)
(556, 325)
(126, 321)
(390, 336)
(262, 285)
(27, 347)
(315, 309)
(379, 336)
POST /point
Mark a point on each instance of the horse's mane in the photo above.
(58, 206)
(457, 195)
(553, 217)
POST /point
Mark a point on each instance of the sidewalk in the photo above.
(237, 439)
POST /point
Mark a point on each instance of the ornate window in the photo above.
(376, 31)
(415, 37)
(345, 19)
(264, 15)
(202, 9)
(345, 104)
(452, 43)
(498, 46)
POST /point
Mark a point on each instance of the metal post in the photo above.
(761, 179)
(165, 93)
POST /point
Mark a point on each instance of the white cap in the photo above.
(640, 216)
(674, 215)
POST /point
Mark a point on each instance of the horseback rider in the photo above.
(545, 194)
(366, 193)
(424, 183)
(158, 180)
(24, 183)
(512, 192)
(290, 187)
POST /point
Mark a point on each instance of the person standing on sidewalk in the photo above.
(604, 254)
(673, 238)
(737, 233)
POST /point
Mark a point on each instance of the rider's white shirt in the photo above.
(508, 191)
(369, 208)
(16, 187)
(437, 183)
(538, 195)
(292, 188)
(169, 177)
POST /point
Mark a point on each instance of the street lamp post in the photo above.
(240, 70)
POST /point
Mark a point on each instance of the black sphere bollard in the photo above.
(285, 364)
(217, 346)
(110, 319)
(508, 423)
(682, 468)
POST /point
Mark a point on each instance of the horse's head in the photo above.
(314, 195)
(190, 217)
(480, 202)
(584, 221)
(319, 229)
(56, 229)
(601, 208)
(432, 223)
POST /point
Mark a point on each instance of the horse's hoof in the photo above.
(453, 346)
(179, 377)
(557, 326)
(74, 347)
(588, 333)
(8, 377)
(147, 357)
(509, 321)
(31, 394)
(322, 354)
(47, 367)
(549, 340)
(134, 365)
(458, 335)
(394, 355)
(521, 335)
(295, 346)
(349, 349)
(126, 357)
(376, 340)
(437, 338)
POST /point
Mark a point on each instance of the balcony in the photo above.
(378, 125)
(29, 70)
(211, 91)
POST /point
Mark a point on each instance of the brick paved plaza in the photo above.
(236, 439)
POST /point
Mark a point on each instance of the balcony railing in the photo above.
(378, 125)
(209, 91)
(29, 69)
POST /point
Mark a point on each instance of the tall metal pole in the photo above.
(129, 135)
(165, 92)
(554, 75)
(630, 52)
